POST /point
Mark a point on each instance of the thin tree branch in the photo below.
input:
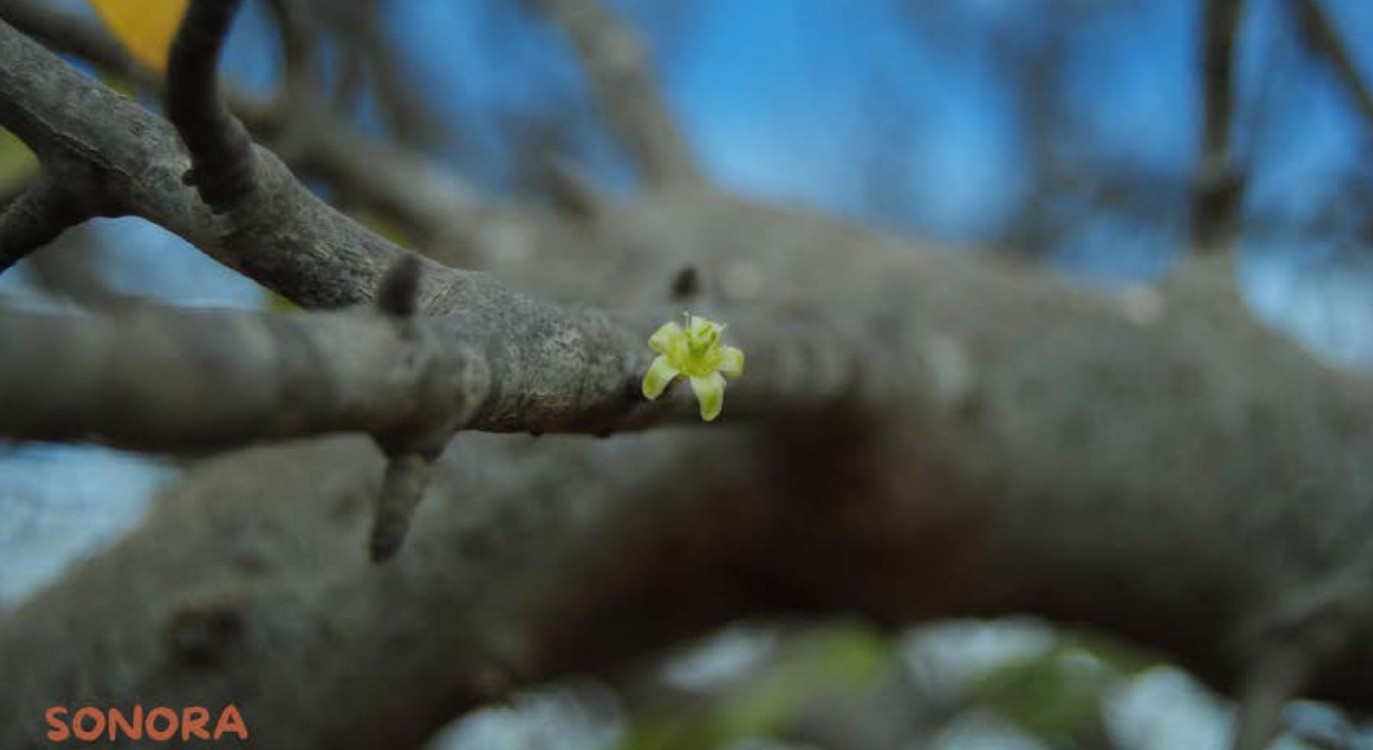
(1218, 186)
(619, 70)
(76, 34)
(1320, 31)
(400, 184)
(283, 237)
(37, 217)
(70, 269)
(221, 150)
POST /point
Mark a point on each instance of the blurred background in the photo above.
(1066, 133)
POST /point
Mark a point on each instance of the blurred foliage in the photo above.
(279, 304)
(18, 165)
(1058, 694)
(818, 663)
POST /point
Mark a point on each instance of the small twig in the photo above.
(300, 46)
(77, 34)
(618, 66)
(397, 182)
(36, 218)
(1218, 186)
(1323, 36)
(221, 151)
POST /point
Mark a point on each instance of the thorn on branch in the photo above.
(398, 294)
(220, 148)
(408, 467)
(36, 218)
(407, 478)
(686, 284)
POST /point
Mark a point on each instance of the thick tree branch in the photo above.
(190, 381)
(1228, 473)
(619, 70)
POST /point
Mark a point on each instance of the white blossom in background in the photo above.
(947, 657)
(582, 717)
(720, 659)
(1164, 708)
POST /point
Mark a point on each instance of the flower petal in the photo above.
(710, 391)
(731, 361)
(659, 374)
(661, 340)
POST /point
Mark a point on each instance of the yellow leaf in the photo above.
(146, 27)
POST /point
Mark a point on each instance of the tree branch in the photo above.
(400, 184)
(618, 68)
(189, 382)
(1323, 36)
(1218, 186)
(551, 369)
(165, 380)
(221, 151)
(283, 237)
(1228, 473)
(76, 34)
(922, 457)
(35, 218)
